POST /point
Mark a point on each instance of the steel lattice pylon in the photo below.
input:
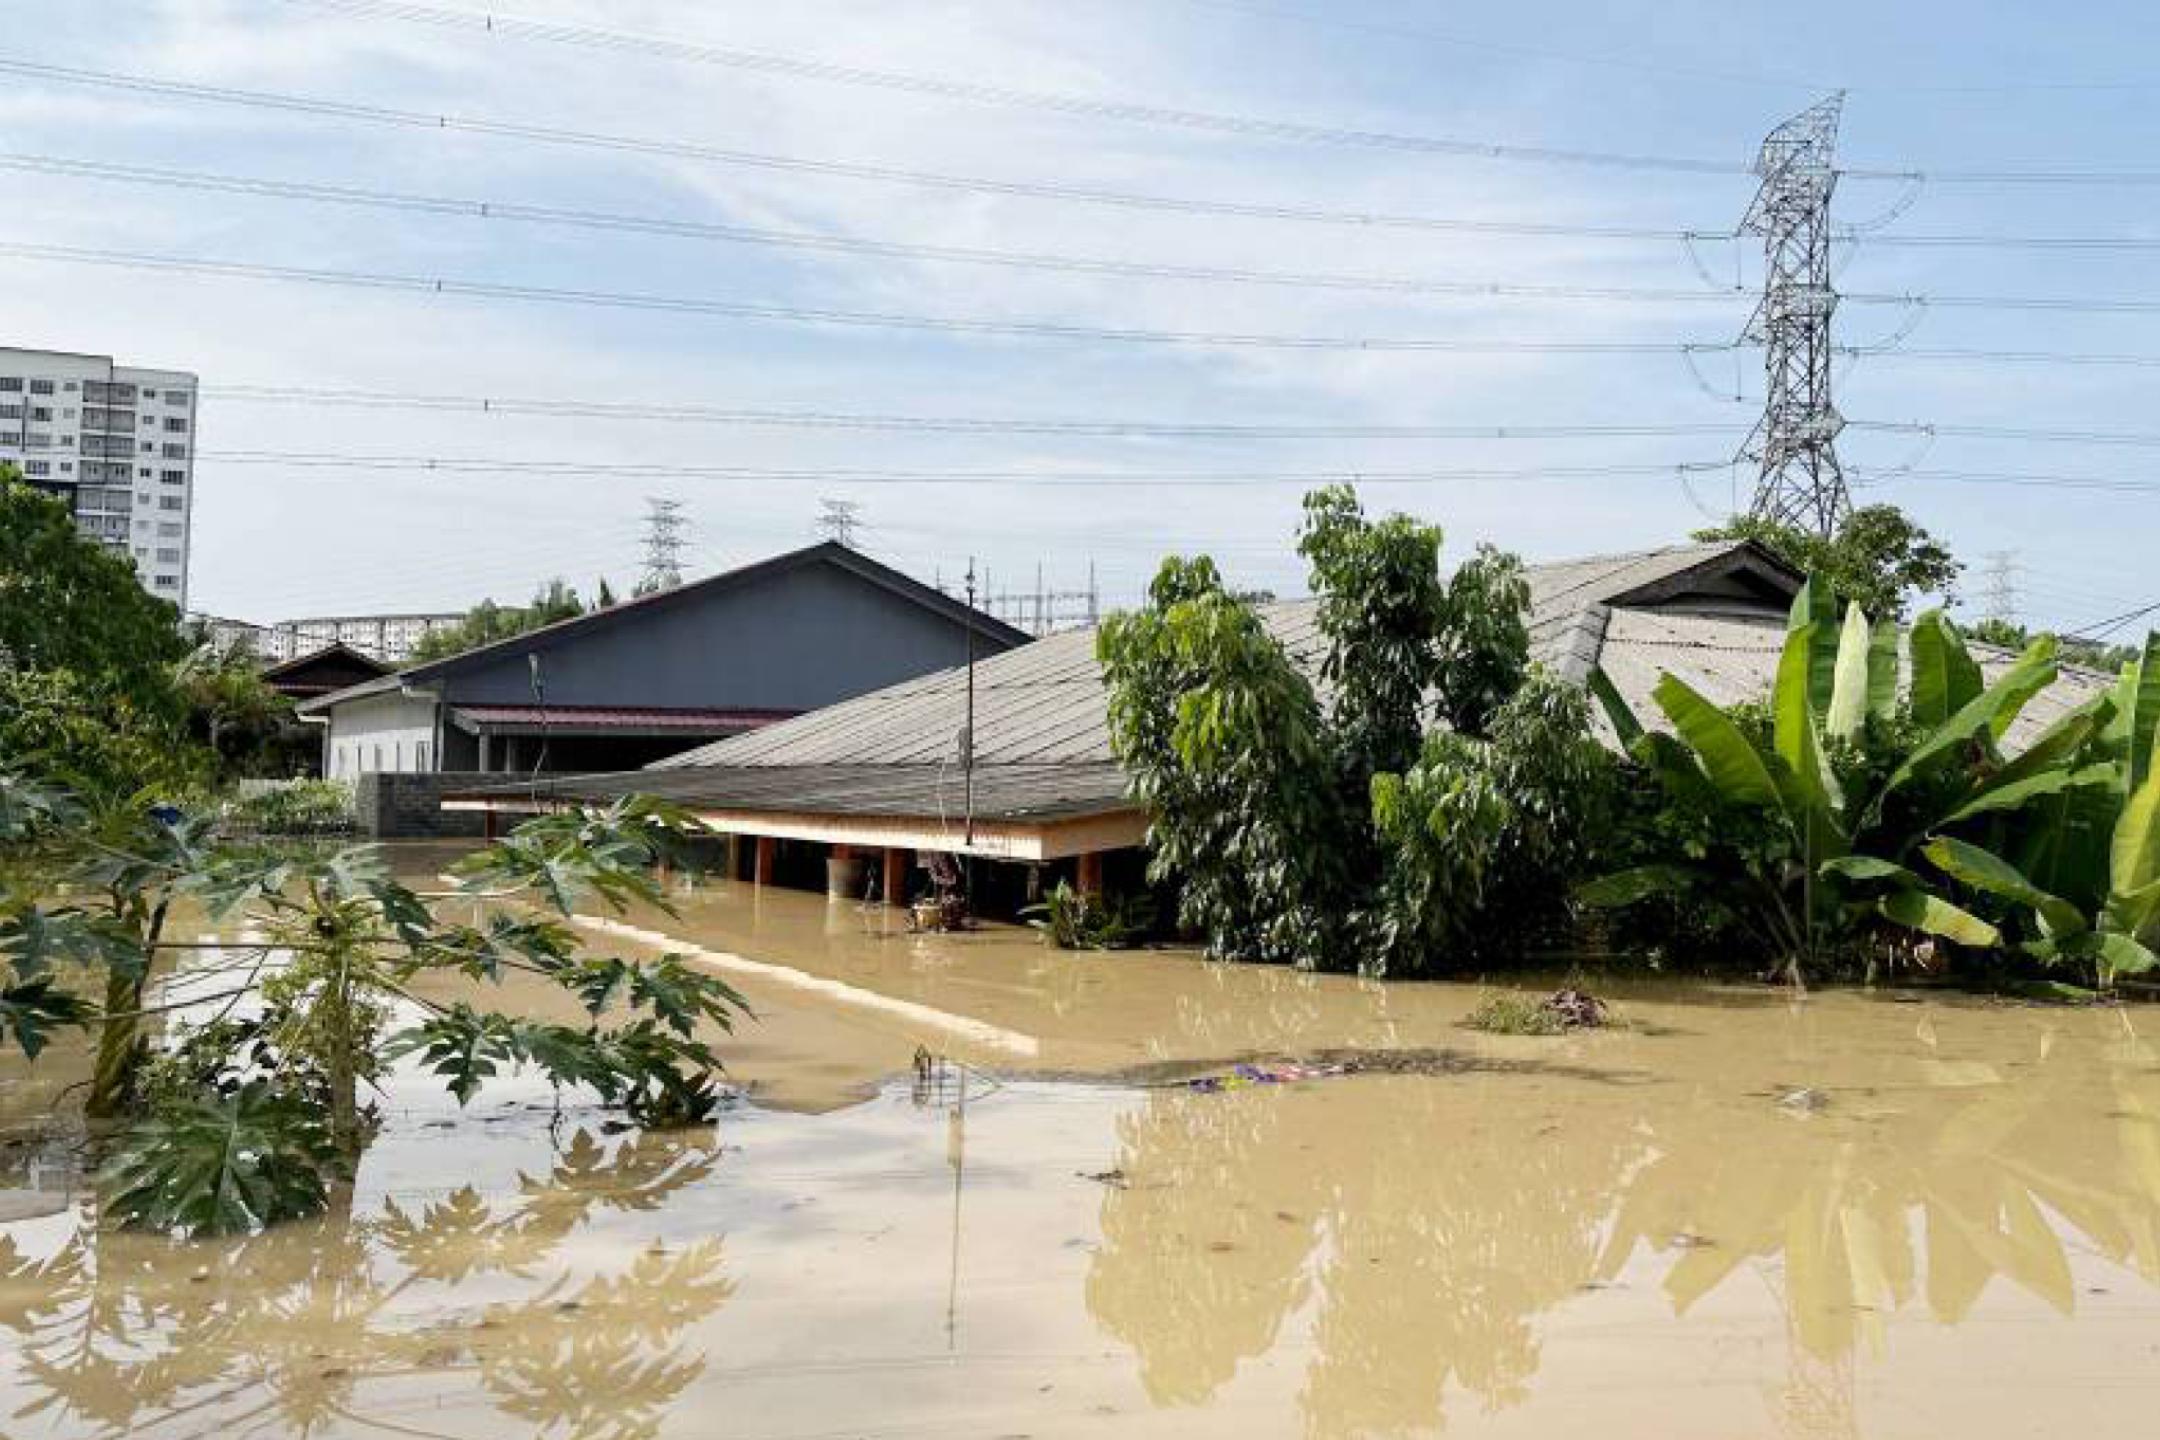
(1794, 446)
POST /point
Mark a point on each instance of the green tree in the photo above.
(1879, 559)
(1282, 816)
(487, 622)
(237, 713)
(68, 603)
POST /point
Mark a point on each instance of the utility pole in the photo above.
(967, 732)
(1794, 446)
(838, 520)
(664, 526)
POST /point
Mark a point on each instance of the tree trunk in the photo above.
(119, 1048)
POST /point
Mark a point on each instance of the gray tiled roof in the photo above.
(1043, 704)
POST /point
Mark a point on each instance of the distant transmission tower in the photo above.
(838, 520)
(664, 526)
(2001, 591)
(1794, 446)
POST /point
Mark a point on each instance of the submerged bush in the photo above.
(297, 808)
(1072, 920)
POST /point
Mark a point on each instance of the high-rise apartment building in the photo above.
(118, 443)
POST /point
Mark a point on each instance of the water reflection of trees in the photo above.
(119, 1333)
(1425, 1227)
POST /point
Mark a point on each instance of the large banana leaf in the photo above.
(2144, 708)
(1851, 690)
(1625, 725)
(1996, 798)
(1627, 887)
(1987, 871)
(1883, 670)
(1918, 910)
(1814, 612)
(1945, 677)
(1987, 713)
(1806, 783)
(2134, 857)
(2108, 953)
(1731, 762)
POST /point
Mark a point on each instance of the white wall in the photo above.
(391, 731)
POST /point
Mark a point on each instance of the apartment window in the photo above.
(11, 412)
(420, 754)
(168, 530)
(168, 556)
(176, 424)
(149, 447)
(142, 474)
(41, 412)
(71, 387)
(171, 502)
(37, 467)
(172, 477)
(38, 440)
(66, 466)
(176, 452)
(167, 582)
(178, 397)
(67, 414)
(10, 384)
(41, 387)
(149, 422)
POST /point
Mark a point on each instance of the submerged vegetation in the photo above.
(256, 1114)
(1073, 920)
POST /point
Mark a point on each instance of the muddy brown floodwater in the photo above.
(1857, 1215)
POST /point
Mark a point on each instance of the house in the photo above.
(620, 687)
(321, 672)
(882, 773)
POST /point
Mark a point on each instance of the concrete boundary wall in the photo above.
(394, 805)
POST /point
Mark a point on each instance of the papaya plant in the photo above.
(252, 1111)
(1804, 825)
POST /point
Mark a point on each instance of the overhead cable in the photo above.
(676, 227)
(977, 92)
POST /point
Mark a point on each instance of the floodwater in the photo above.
(1736, 1215)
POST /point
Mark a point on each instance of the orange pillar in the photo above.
(767, 851)
(1090, 879)
(896, 869)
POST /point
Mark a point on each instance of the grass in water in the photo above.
(1510, 1014)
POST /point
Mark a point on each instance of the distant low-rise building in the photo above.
(660, 674)
(118, 443)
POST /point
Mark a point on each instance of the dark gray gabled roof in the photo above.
(629, 612)
(1043, 704)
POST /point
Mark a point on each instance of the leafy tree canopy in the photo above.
(1879, 559)
(68, 603)
(488, 622)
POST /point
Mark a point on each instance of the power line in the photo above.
(680, 228)
(860, 319)
(736, 234)
(1042, 477)
(1089, 107)
(1093, 107)
(984, 185)
(1037, 477)
(2134, 439)
(936, 424)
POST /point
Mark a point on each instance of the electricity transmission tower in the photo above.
(2001, 591)
(1794, 446)
(838, 520)
(664, 526)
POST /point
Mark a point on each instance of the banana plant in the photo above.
(2089, 892)
(1811, 829)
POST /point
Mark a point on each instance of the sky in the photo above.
(1961, 93)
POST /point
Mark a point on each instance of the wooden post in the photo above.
(767, 852)
(1090, 878)
(488, 825)
(896, 873)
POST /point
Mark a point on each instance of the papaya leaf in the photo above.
(31, 1010)
(222, 1164)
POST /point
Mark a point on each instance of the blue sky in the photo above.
(1932, 87)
